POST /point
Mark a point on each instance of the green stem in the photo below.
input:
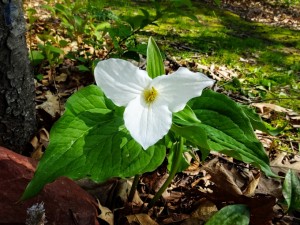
(175, 165)
(133, 187)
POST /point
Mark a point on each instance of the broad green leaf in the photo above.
(195, 135)
(39, 76)
(231, 215)
(155, 66)
(229, 130)
(185, 124)
(45, 38)
(140, 48)
(102, 26)
(90, 140)
(258, 124)
(145, 12)
(31, 13)
(186, 117)
(139, 21)
(54, 49)
(291, 191)
(51, 9)
(218, 2)
(83, 68)
(131, 55)
(63, 43)
(182, 3)
(36, 57)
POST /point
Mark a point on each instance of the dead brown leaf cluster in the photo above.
(267, 12)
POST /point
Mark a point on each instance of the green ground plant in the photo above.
(265, 58)
(209, 36)
(91, 23)
(223, 38)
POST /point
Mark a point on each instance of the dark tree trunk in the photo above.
(17, 107)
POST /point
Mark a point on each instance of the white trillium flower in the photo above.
(149, 103)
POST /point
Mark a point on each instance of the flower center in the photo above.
(150, 95)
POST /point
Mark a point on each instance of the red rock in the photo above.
(64, 201)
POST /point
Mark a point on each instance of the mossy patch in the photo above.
(266, 57)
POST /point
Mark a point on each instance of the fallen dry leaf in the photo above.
(123, 193)
(222, 177)
(61, 77)
(51, 105)
(266, 109)
(281, 164)
(269, 186)
(106, 214)
(228, 184)
(194, 163)
(205, 210)
(104, 191)
(39, 143)
(252, 185)
(142, 219)
(266, 139)
(218, 72)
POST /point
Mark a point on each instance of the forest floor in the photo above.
(252, 49)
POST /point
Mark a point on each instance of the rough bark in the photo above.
(17, 107)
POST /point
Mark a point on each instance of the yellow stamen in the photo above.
(150, 95)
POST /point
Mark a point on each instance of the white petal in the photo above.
(176, 89)
(147, 124)
(120, 80)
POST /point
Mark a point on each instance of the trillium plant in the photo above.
(133, 119)
(149, 103)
